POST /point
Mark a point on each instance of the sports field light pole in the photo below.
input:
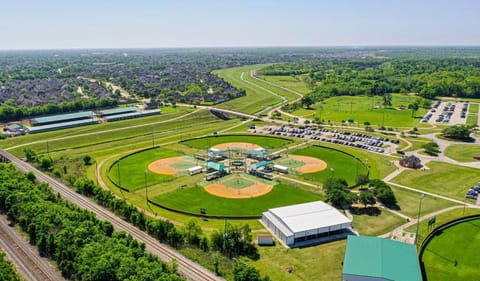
(153, 136)
(332, 170)
(418, 218)
(146, 190)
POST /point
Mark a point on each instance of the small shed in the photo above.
(280, 169)
(265, 240)
(411, 161)
(195, 170)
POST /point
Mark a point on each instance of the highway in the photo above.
(25, 257)
(188, 268)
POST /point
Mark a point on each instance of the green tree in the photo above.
(361, 180)
(30, 154)
(366, 198)
(460, 132)
(87, 160)
(387, 99)
(307, 101)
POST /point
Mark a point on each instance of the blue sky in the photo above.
(52, 24)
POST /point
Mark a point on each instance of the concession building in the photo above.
(307, 223)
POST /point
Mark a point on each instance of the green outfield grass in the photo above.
(463, 153)
(193, 198)
(441, 178)
(132, 169)
(263, 141)
(453, 255)
(408, 202)
(345, 166)
(255, 100)
(366, 109)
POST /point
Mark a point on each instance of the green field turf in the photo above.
(255, 100)
(473, 108)
(463, 153)
(344, 165)
(408, 202)
(368, 224)
(441, 178)
(366, 109)
(238, 183)
(472, 119)
(193, 198)
(453, 255)
(132, 169)
(263, 141)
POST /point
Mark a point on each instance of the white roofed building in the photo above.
(308, 223)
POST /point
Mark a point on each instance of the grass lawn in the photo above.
(463, 153)
(472, 119)
(473, 108)
(417, 143)
(408, 202)
(453, 255)
(321, 262)
(375, 223)
(193, 198)
(132, 169)
(295, 83)
(263, 141)
(256, 98)
(442, 178)
(367, 109)
(345, 166)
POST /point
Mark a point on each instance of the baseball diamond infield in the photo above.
(238, 187)
(171, 165)
(304, 164)
(236, 145)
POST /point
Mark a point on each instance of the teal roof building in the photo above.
(380, 259)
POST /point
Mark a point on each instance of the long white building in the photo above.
(308, 223)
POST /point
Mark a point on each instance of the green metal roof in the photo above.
(62, 117)
(259, 165)
(216, 166)
(118, 110)
(381, 258)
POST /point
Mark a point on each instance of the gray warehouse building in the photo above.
(308, 223)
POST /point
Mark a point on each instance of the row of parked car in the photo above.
(464, 110)
(472, 193)
(429, 114)
(358, 140)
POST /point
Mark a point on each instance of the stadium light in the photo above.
(418, 217)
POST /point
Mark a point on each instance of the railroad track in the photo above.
(25, 258)
(191, 270)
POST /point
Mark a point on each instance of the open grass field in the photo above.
(366, 109)
(263, 141)
(473, 108)
(295, 83)
(417, 143)
(345, 166)
(463, 153)
(375, 223)
(255, 100)
(408, 202)
(472, 119)
(442, 178)
(321, 262)
(132, 169)
(191, 199)
(453, 255)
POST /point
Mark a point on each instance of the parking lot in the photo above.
(449, 113)
(355, 140)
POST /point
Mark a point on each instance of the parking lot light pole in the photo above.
(418, 217)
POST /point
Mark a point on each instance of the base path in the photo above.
(221, 189)
(310, 164)
(167, 166)
(236, 145)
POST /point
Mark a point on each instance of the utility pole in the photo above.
(418, 218)
(48, 149)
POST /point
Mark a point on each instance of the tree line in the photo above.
(233, 241)
(7, 271)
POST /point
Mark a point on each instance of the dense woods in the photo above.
(7, 272)
(430, 78)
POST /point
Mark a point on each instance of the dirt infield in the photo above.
(221, 190)
(166, 166)
(312, 164)
(233, 145)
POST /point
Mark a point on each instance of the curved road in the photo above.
(188, 268)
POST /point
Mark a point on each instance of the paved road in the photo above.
(186, 267)
(26, 259)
